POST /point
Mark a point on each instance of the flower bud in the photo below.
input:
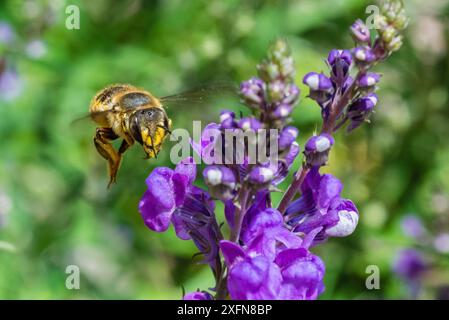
(363, 55)
(287, 137)
(339, 61)
(249, 123)
(282, 111)
(252, 92)
(221, 181)
(368, 80)
(276, 90)
(227, 119)
(321, 87)
(261, 176)
(317, 149)
(360, 109)
(268, 71)
(360, 32)
(291, 94)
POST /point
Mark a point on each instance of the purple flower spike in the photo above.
(253, 92)
(287, 137)
(227, 119)
(317, 149)
(221, 181)
(250, 123)
(198, 295)
(368, 80)
(360, 32)
(348, 217)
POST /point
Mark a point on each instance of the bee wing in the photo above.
(202, 94)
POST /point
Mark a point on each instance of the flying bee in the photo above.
(123, 111)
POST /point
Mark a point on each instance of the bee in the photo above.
(126, 112)
(123, 111)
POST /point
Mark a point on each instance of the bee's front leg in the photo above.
(102, 140)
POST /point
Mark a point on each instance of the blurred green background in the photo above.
(55, 209)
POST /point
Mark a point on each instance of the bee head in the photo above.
(149, 127)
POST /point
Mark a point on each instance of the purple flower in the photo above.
(317, 149)
(166, 191)
(287, 137)
(250, 123)
(412, 226)
(363, 56)
(321, 87)
(198, 295)
(359, 111)
(368, 80)
(302, 274)
(6, 33)
(293, 274)
(261, 176)
(227, 119)
(348, 217)
(221, 181)
(340, 62)
(10, 85)
(409, 264)
(360, 32)
(264, 233)
(250, 278)
(321, 207)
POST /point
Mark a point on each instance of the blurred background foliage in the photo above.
(55, 209)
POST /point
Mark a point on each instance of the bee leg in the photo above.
(102, 140)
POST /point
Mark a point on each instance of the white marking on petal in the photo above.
(322, 144)
(214, 176)
(246, 125)
(224, 116)
(373, 99)
(283, 111)
(313, 82)
(370, 81)
(345, 226)
(293, 132)
(360, 55)
(266, 173)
